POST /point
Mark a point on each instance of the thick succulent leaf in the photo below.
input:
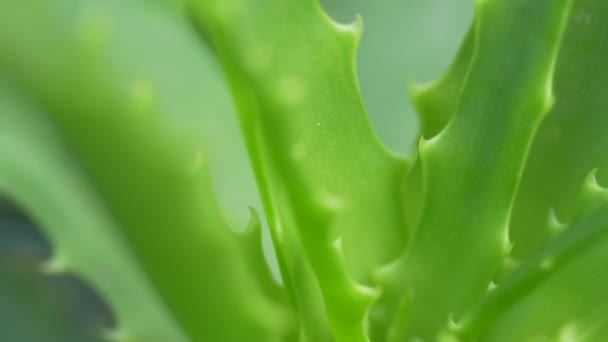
(298, 277)
(571, 269)
(157, 54)
(305, 71)
(292, 71)
(251, 245)
(156, 51)
(595, 328)
(437, 101)
(302, 285)
(590, 226)
(472, 168)
(35, 170)
(150, 175)
(403, 40)
(574, 137)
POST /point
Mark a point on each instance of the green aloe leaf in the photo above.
(437, 101)
(149, 175)
(574, 137)
(121, 119)
(33, 173)
(471, 169)
(571, 139)
(571, 268)
(297, 100)
(403, 40)
(570, 242)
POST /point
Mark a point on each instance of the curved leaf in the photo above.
(573, 138)
(292, 70)
(34, 172)
(149, 174)
(472, 168)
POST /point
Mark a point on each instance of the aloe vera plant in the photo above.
(493, 229)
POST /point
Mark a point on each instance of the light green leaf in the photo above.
(573, 139)
(148, 172)
(36, 172)
(471, 169)
(303, 111)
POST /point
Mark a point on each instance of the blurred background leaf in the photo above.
(36, 307)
